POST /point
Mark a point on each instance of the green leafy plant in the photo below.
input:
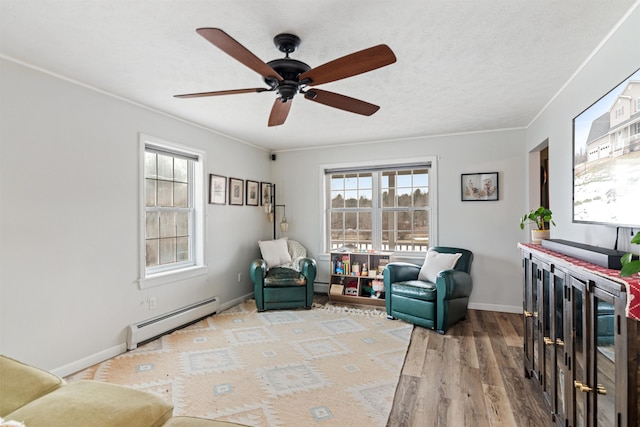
(630, 266)
(540, 217)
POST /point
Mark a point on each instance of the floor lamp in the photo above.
(270, 209)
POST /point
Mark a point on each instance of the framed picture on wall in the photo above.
(265, 193)
(217, 189)
(479, 187)
(236, 191)
(252, 193)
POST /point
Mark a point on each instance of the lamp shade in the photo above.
(284, 225)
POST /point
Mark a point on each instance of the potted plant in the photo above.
(630, 266)
(540, 217)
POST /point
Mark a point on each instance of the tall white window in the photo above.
(383, 208)
(173, 210)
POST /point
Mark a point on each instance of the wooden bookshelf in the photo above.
(356, 277)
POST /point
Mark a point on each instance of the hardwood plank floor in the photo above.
(471, 376)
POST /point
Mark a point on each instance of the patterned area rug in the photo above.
(329, 366)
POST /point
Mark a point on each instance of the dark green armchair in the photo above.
(284, 286)
(435, 304)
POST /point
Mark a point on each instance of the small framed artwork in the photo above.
(217, 189)
(265, 193)
(479, 187)
(252, 191)
(236, 191)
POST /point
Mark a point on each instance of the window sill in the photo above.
(165, 278)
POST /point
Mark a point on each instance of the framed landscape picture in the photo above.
(217, 189)
(252, 193)
(236, 191)
(479, 187)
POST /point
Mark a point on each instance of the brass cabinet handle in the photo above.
(547, 340)
(559, 342)
(600, 389)
(582, 387)
(528, 314)
(535, 314)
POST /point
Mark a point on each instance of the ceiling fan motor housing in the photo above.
(289, 69)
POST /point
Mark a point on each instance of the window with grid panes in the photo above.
(379, 209)
(169, 209)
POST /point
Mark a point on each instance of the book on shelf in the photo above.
(346, 264)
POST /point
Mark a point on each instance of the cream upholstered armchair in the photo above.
(283, 277)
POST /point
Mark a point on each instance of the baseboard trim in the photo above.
(236, 301)
(495, 307)
(90, 360)
(321, 288)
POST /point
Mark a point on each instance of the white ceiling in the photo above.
(463, 65)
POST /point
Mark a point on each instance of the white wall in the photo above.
(617, 59)
(489, 229)
(69, 216)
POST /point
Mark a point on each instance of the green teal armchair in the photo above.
(283, 287)
(431, 305)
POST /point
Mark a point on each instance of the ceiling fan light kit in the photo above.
(288, 77)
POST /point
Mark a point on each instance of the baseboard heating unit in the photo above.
(152, 328)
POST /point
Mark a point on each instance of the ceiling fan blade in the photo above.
(350, 65)
(228, 45)
(279, 112)
(342, 102)
(221, 92)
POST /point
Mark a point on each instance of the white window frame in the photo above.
(164, 276)
(433, 195)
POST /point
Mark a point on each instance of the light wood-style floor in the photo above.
(471, 376)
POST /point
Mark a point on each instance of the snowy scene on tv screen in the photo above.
(606, 164)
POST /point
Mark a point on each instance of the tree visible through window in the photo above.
(379, 209)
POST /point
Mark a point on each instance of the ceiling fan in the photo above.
(288, 77)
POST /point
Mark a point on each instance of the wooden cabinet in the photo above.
(600, 351)
(551, 287)
(530, 310)
(545, 326)
(356, 277)
(579, 346)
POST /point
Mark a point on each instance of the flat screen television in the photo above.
(606, 161)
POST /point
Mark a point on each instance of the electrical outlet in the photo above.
(239, 277)
(152, 303)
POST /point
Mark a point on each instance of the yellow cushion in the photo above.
(21, 383)
(197, 422)
(95, 404)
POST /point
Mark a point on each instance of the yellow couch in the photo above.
(40, 399)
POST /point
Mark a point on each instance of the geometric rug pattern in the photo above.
(328, 366)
